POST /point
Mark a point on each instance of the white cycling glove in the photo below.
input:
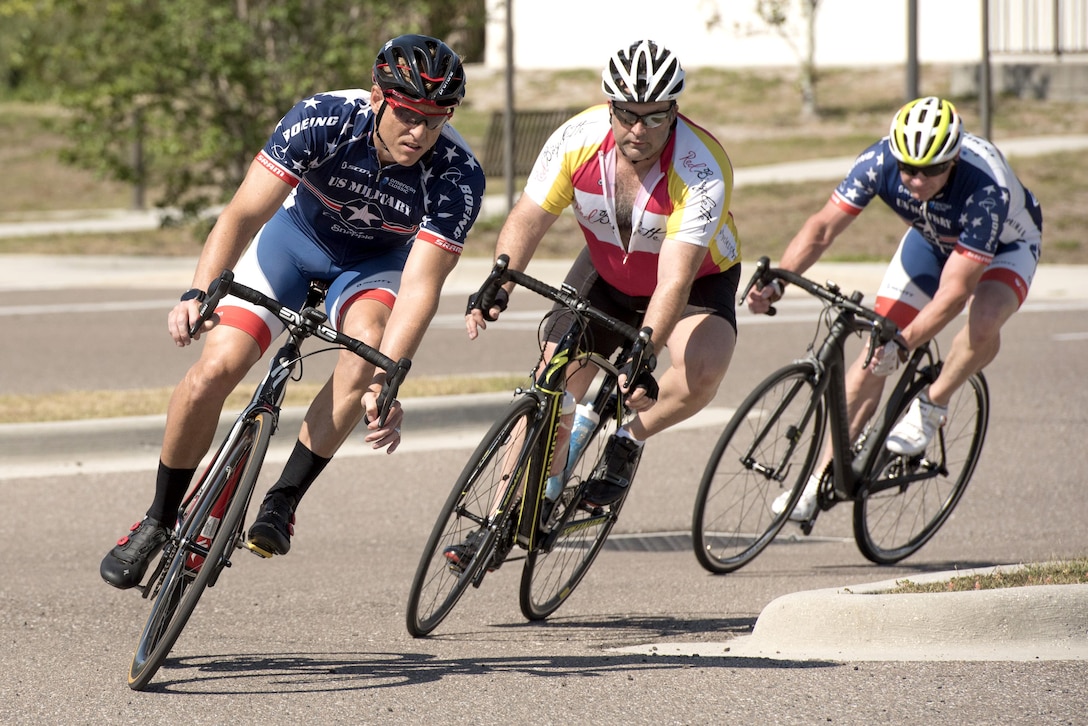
(888, 358)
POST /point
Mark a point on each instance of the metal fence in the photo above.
(1038, 27)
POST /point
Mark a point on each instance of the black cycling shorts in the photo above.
(710, 295)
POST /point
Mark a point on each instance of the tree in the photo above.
(201, 83)
(802, 42)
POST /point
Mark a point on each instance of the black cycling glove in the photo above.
(645, 380)
(502, 299)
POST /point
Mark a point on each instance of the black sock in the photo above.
(170, 486)
(300, 471)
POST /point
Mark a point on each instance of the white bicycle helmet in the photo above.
(926, 132)
(643, 73)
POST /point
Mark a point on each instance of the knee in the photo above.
(214, 376)
(983, 327)
(353, 370)
(700, 376)
(991, 307)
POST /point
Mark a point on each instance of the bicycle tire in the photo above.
(893, 521)
(555, 568)
(769, 446)
(188, 572)
(437, 586)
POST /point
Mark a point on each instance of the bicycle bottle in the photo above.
(585, 423)
(562, 441)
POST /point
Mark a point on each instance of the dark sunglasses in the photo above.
(412, 118)
(926, 171)
(649, 120)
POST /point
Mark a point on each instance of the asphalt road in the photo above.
(319, 637)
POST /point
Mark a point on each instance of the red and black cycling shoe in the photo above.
(124, 566)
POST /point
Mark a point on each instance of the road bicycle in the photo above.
(210, 523)
(499, 501)
(774, 441)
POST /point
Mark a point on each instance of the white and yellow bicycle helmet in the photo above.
(926, 132)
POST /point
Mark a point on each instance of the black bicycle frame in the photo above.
(849, 468)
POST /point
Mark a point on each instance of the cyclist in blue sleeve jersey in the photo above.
(368, 190)
(973, 240)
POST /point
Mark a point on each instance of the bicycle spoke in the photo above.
(766, 450)
(912, 496)
(471, 522)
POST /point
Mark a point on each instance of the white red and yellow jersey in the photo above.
(685, 198)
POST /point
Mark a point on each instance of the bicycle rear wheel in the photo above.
(193, 559)
(491, 476)
(575, 532)
(912, 496)
(769, 446)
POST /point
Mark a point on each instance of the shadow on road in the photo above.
(332, 672)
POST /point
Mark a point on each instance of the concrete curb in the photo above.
(865, 623)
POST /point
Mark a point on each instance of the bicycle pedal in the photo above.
(258, 551)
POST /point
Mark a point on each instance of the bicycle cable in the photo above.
(585, 340)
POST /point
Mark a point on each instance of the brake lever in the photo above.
(388, 395)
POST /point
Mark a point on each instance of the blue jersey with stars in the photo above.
(982, 208)
(353, 206)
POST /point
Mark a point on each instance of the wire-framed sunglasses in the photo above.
(650, 120)
(412, 118)
(926, 171)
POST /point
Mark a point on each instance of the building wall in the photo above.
(557, 34)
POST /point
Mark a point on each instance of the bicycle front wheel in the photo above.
(573, 535)
(193, 559)
(768, 448)
(910, 497)
(471, 519)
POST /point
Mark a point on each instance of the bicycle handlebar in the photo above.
(642, 355)
(883, 331)
(395, 371)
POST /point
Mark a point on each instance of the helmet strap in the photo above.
(377, 127)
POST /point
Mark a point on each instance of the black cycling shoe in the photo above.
(459, 555)
(609, 481)
(270, 534)
(124, 566)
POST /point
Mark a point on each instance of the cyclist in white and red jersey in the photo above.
(370, 191)
(651, 192)
(974, 237)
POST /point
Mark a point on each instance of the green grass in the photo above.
(79, 405)
(1061, 572)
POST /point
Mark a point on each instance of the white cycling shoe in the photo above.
(917, 428)
(806, 505)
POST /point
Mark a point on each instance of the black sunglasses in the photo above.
(649, 120)
(926, 171)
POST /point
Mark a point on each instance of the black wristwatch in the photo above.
(194, 294)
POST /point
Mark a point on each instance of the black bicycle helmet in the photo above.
(420, 69)
(643, 73)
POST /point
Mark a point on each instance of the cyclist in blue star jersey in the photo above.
(973, 240)
(368, 190)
